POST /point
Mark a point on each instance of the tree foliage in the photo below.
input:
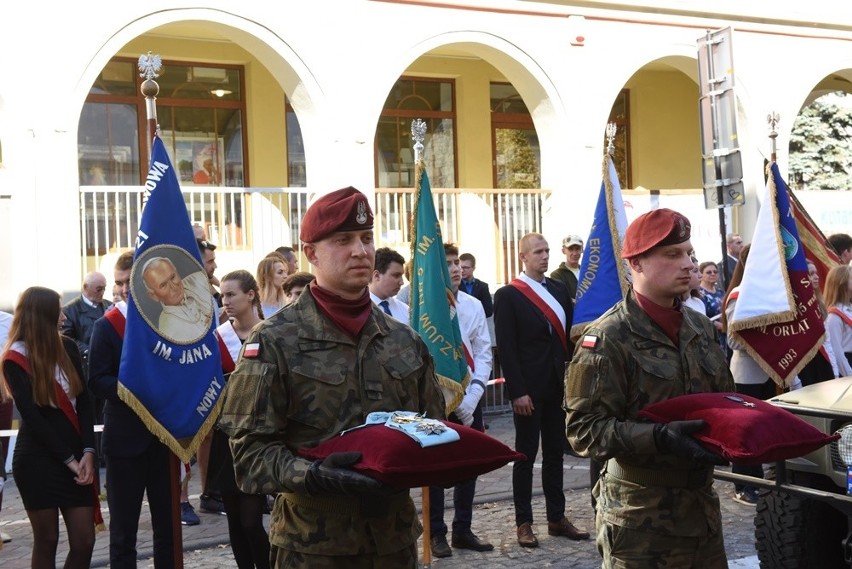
(517, 162)
(821, 145)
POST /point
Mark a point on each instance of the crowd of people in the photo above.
(330, 346)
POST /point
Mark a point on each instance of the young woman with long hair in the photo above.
(838, 323)
(249, 540)
(271, 272)
(54, 459)
(692, 298)
(823, 366)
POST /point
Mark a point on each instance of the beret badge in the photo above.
(361, 216)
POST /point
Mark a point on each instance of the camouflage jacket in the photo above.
(623, 363)
(308, 382)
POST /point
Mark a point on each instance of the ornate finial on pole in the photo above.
(149, 67)
(418, 134)
(611, 130)
(773, 119)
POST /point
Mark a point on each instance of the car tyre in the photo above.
(792, 532)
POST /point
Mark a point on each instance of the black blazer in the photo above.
(531, 354)
(124, 433)
(720, 266)
(480, 292)
(79, 319)
(45, 429)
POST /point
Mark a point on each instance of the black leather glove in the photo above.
(332, 475)
(674, 438)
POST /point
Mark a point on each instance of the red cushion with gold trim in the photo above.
(394, 458)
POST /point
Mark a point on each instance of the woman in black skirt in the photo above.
(249, 540)
(54, 460)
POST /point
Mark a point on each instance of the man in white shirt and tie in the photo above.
(387, 280)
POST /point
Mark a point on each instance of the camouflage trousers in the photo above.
(405, 558)
(628, 548)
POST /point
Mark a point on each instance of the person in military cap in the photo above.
(655, 500)
(569, 270)
(313, 369)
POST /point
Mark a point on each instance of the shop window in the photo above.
(433, 101)
(200, 112)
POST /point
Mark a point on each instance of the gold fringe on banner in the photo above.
(784, 315)
(185, 448)
(623, 273)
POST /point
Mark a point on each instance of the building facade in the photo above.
(290, 100)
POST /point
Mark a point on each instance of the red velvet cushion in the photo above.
(394, 458)
(741, 428)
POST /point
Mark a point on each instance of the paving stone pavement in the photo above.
(206, 546)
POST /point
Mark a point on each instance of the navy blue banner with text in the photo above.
(170, 373)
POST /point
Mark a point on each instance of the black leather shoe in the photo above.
(467, 540)
(440, 547)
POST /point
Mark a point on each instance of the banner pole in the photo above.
(418, 133)
(427, 530)
(149, 67)
(175, 466)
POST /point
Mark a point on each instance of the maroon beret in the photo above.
(653, 229)
(344, 210)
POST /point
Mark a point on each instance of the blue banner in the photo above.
(171, 372)
(433, 306)
(603, 277)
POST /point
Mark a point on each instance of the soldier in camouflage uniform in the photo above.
(315, 368)
(656, 506)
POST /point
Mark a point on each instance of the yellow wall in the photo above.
(267, 141)
(265, 112)
(664, 130)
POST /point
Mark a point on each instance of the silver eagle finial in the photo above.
(149, 65)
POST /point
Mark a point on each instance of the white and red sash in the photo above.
(117, 317)
(468, 357)
(229, 346)
(17, 353)
(548, 312)
(842, 315)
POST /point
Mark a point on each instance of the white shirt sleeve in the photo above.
(474, 330)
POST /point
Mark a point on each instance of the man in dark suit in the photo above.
(532, 316)
(137, 462)
(473, 286)
(81, 313)
(80, 316)
(734, 244)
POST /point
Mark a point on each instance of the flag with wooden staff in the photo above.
(432, 307)
(170, 372)
(604, 276)
(777, 315)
